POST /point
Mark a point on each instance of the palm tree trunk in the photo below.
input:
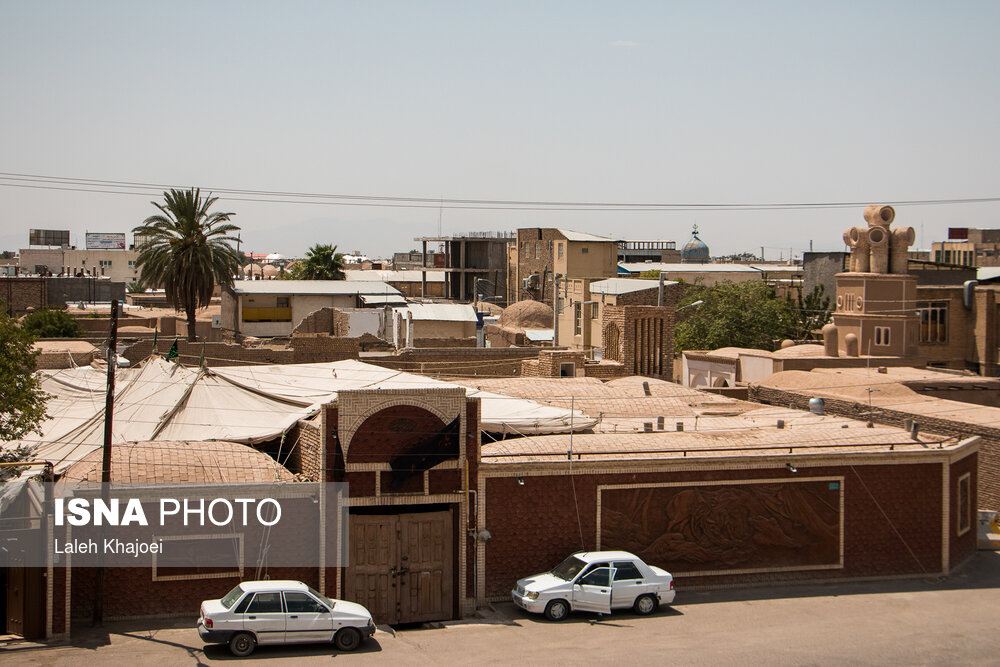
(192, 330)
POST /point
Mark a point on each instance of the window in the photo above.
(933, 316)
(577, 318)
(964, 503)
(584, 250)
(282, 302)
(538, 249)
(131, 264)
(881, 335)
(104, 263)
(242, 606)
(593, 311)
(265, 603)
(300, 602)
(559, 248)
(567, 369)
(599, 577)
(947, 256)
(626, 569)
(937, 256)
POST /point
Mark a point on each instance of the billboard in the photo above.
(97, 241)
(59, 237)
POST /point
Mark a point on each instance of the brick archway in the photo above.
(391, 431)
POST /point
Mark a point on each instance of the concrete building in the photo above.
(968, 247)
(276, 307)
(410, 283)
(541, 254)
(118, 265)
(475, 265)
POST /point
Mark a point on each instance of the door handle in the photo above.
(604, 590)
(293, 617)
(252, 617)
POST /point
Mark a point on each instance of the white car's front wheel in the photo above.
(347, 639)
(557, 610)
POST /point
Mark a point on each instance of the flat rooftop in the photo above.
(753, 434)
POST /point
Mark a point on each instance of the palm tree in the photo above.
(187, 250)
(322, 262)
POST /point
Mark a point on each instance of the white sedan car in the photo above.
(282, 612)
(596, 581)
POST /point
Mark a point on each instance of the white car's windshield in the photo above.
(327, 601)
(569, 568)
(231, 597)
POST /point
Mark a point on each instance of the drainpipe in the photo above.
(968, 288)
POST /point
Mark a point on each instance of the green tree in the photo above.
(188, 251)
(809, 312)
(322, 262)
(22, 401)
(14, 455)
(47, 323)
(744, 314)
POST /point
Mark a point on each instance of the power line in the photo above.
(132, 188)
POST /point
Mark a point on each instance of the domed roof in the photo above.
(171, 461)
(527, 314)
(270, 271)
(695, 251)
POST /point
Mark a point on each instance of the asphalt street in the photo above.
(950, 621)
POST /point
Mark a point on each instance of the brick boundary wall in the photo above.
(989, 451)
(307, 348)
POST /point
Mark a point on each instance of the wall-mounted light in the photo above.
(791, 468)
(520, 481)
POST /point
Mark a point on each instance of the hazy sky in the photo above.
(641, 102)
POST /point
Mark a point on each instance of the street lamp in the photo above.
(691, 305)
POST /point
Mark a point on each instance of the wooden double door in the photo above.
(401, 566)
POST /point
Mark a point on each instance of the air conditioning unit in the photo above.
(531, 282)
(216, 321)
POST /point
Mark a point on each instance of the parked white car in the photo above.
(282, 612)
(598, 581)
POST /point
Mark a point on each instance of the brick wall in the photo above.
(879, 500)
(988, 486)
(304, 348)
(549, 363)
(20, 294)
(304, 458)
(332, 321)
(644, 342)
(470, 361)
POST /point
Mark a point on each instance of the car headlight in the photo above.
(531, 595)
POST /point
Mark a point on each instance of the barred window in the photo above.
(933, 316)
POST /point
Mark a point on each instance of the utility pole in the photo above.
(109, 415)
(555, 308)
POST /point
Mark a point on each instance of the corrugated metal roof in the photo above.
(314, 287)
(447, 312)
(372, 299)
(409, 276)
(987, 272)
(583, 236)
(539, 335)
(625, 285)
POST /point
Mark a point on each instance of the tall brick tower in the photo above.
(876, 297)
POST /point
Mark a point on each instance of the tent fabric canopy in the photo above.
(162, 401)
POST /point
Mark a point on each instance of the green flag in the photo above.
(155, 332)
(173, 354)
(201, 362)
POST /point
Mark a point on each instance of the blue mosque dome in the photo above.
(695, 251)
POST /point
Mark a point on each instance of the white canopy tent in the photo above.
(250, 404)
